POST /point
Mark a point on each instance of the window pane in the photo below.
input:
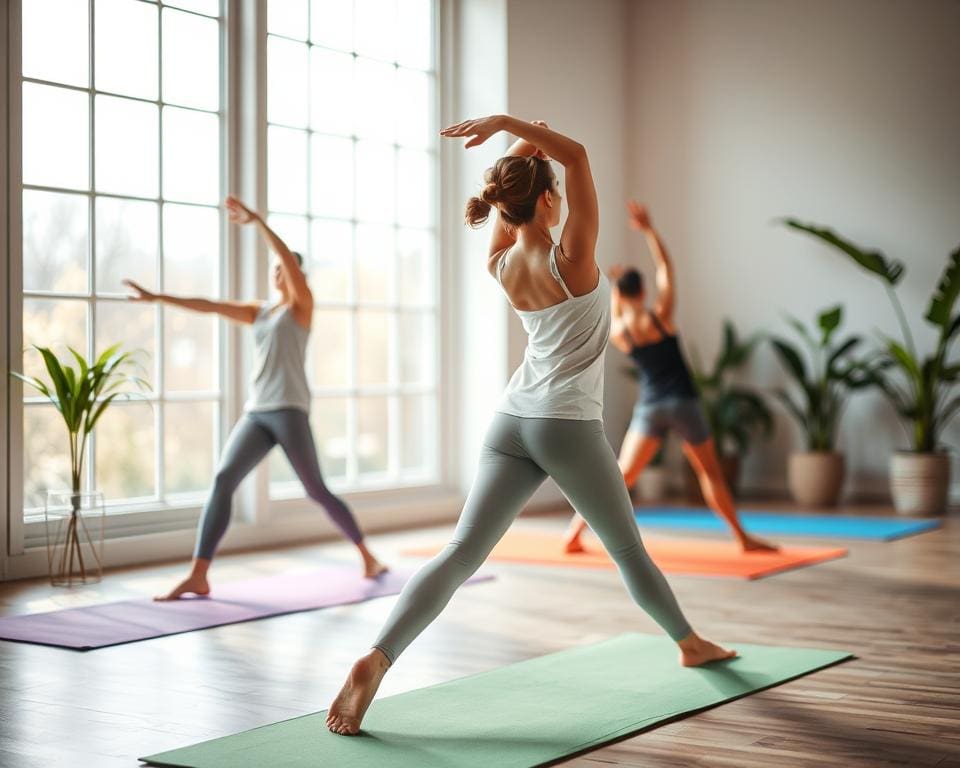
(373, 347)
(190, 351)
(280, 470)
(287, 169)
(414, 34)
(191, 249)
(375, 182)
(415, 197)
(127, 152)
(375, 28)
(418, 432)
(125, 48)
(415, 113)
(132, 324)
(286, 82)
(293, 231)
(55, 35)
(328, 417)
(209, 7)
(193, 80)
(330, 340)
(331, 257)
(188, 441)
(56, 137)
(46, 455)
(416, 348)
(372, 444)
(331, 23)
(55, 241)
(125, 450)
(287, 17)
(191, 156)
(374, 263)
(55, 323)
(126, 244)
(376, 104)
(332, 92)
(331, 177)
(417, 265)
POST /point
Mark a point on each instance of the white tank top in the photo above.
(279, 377)
(561, 376)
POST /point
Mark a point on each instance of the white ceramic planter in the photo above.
(920, 482)
(815, 478)
(652, 484)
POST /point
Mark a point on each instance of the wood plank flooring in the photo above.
(896, 605)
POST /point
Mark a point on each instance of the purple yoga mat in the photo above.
(98, 626)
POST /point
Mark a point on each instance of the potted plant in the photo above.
(735, 414)
(815, 476)
(920, 388)
(81, 395)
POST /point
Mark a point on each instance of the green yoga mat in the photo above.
(518, 716)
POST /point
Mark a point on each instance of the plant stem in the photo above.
(902, 318)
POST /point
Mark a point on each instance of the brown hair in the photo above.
(513, 184)
(630, 283)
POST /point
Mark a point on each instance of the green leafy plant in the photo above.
(735, 414)
(83, 393)
(920, 388)
(826, 384)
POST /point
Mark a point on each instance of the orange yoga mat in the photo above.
(700, 557)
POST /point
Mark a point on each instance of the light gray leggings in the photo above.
(251, 439)
(517, 455)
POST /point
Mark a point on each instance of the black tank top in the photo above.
(663, 371)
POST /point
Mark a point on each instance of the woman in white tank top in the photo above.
(548, 423)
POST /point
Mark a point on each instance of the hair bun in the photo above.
(490, 192)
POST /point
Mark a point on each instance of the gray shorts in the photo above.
(683, 415)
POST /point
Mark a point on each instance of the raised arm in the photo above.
(579, 236)
(666, 283)
(238, 311)
(293, 275)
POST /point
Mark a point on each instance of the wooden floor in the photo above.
(895, 605)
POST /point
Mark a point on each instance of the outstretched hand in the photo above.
(479, 130)
(238, 212)
(639, 216)
(139, 292)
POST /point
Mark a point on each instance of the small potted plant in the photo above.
(81, 395)
(735, 414)
(920, 388)
(815, 476)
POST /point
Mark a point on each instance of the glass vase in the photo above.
(74, 525)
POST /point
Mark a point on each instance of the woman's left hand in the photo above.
(238, 212)
(480, 130)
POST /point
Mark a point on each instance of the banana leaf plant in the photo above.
(736, 414)
(825, 380)
(919, 387)
(82, 395)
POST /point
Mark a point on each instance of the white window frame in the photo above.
(163, 530)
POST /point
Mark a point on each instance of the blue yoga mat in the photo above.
(774, 524)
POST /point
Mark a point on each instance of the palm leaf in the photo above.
(940, 311)
(890, 270)
(829, 321)
(792, 408)
(842, 350)
(791, 361)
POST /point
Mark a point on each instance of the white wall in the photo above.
(843, 113)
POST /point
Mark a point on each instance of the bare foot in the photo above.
(373, 568)
(695, 651)
(193, 584)
(347, 711)
(752, 544)
(573, 545)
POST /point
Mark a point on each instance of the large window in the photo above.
(351, 167)
(125, 159)
(121, 163)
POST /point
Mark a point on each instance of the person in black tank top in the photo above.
(668, 398)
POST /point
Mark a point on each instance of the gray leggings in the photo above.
(251, 439)
(518, 454)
